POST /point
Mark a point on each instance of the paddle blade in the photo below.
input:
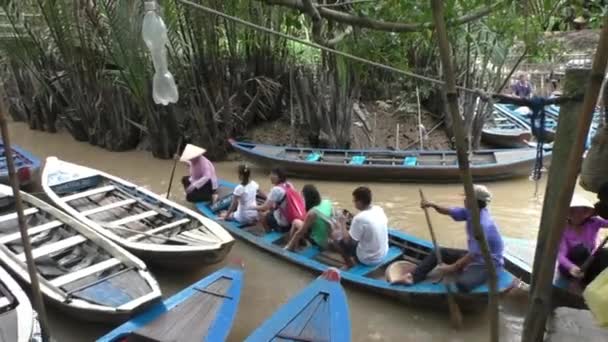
(455, 313)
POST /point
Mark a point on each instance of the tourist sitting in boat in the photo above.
(367, 239)
(242, 208)
(522, 87)
(283, 204)
(201, 185)
(579, 242)
(470, 263)
(316, 224)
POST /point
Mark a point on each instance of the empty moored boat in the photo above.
(519, 260)
(80, 272)
(154, 228)
(524, 114)
(317, 313)
(505, 130)
(26, 165)
(204, 311)
(379, 165)
(17, 319)
(372, 278)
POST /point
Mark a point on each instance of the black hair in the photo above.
(363, 194)
(244, 173)
(601, 207)
(602, 194)
(482, 204)
(312, 197)
(280, 173)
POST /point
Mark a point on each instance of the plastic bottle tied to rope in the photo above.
(154, 33)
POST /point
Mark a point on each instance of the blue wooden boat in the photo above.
(26, 165)
(503, 129)
(402, 247)
(385, 165)
(553, 111)
(204, 311)
(519, 260)
(525, 116)
(318, 313)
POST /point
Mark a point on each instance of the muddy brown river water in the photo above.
(269, 282)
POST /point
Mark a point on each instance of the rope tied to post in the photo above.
(537, 105)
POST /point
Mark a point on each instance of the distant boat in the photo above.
(519, 260)
(80, 272)
(27, 165)
(204, 311)
(378, 165)
(503, 129)
(317, 313)
(524, 114)
(17, 319)
(402, 247)
(150, 226)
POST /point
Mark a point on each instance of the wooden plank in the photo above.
(160, 229)
(54, 247)
(133, 218)
(108, 207)
(13, 216)
(31, 231)
(88, 193)
(4, 302)
(85, 272)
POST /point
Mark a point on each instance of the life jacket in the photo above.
(294, 203)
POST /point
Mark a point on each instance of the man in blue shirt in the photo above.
(470, 263)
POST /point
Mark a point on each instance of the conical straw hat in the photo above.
(191, 152)
(579, 201)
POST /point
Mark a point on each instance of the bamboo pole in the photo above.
(463, 161)
(25, 238)
(397, 138)
(419, 120)
(562, 178)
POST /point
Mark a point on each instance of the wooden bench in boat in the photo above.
(13, 216)
(108, 207)
(54, 247)
(159, 229)
(133, 218)
(392, 255)
(88, 193)
(31, 231)
(85, 272)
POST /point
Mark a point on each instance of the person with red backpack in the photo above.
(283, 205)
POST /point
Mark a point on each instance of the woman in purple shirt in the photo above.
(201, 185)
(579, 242)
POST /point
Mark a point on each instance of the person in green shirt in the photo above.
(316, 222)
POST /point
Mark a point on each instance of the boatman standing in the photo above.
(201, 185)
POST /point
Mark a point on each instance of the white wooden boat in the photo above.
(17, 320)
(158, 230)
(80, 272)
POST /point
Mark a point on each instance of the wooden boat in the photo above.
(402, 247)
(154, 228)
(553, 111)
(26, 165)
(379, 165)
(80, 272)
(519, 260)
(317, 313)
(17, 319)
(550, 121)
(506, 130)
(204, 311)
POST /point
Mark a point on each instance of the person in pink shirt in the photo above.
(579, 241)
(201, 185)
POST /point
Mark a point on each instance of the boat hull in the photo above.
(17, 323)
(23, 159)
(506, 140)
(183, 260)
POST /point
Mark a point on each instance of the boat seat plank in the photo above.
(85, 272)
(31, 231)
(54, 247)
(310, 252)
(160, 229)
(272, 237)
(88, 193)
(108, 207)
(13, 216)
(361, 269)
(133, 218)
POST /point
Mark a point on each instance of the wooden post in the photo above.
(419, 120)
(463, 161)
(568, 149)
(25, 238)
(292, 115)
(397, 138)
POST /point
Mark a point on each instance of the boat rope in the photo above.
(538, 130)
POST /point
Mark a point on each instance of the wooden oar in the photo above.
(590, 259)
(455, 313)
(175, 160)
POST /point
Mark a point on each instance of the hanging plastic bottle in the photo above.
(154, 32)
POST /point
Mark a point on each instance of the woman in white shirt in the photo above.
(243, 206)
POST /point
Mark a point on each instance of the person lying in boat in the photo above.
(283, 204)
(470, 263)
(242, 207)
(367, 239)
(201, 185)
(316, 224)
(579, 242)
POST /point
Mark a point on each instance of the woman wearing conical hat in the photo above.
(201, 185)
